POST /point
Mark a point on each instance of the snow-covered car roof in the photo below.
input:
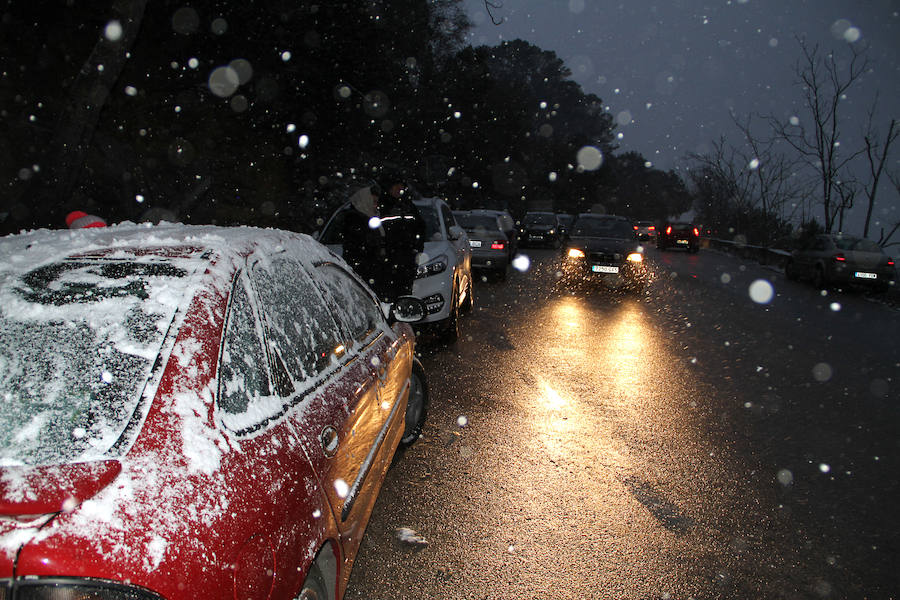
(84, 315)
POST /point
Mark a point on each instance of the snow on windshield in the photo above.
(104, 317)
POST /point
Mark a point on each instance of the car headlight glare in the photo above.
(575, 253)
(635, 257)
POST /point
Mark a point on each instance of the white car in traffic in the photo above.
(444, 277)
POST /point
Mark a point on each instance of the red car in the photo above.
(193, 412)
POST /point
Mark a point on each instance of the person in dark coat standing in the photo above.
(404, 238)
(364, 247)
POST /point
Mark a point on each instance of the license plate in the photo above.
(604, 269)
(864, 275)
(475, 243)
(683, 242)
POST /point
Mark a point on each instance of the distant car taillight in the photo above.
(696, 232)
(890, 262)
(498, 245)
(839, 257)
(652, 228)
(669, 230)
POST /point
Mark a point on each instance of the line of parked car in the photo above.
(211, 411)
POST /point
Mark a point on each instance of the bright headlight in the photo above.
(575, 253)
(635, 257)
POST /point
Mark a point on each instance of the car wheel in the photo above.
(469, 303)
(451, 324)
(416, 406)
(790, 271)
(818, 280)
(314, 586)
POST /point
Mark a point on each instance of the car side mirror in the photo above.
(408, 309)
(455, 232)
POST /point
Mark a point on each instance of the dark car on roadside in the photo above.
(539, 229)
(836, 259)
(678, 235)
(491, 249)
(603, 249)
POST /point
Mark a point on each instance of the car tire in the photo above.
(818, 279)
(790, 271)
(314, 586)
(450, 328)
(416, 406)
(469, 303)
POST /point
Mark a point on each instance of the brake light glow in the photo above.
(669, 230)
(652, 228)
(635, 227)
(696, 232)
(840, 257)
(498, 245)
(890, 263)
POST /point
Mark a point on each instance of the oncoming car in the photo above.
(193, 411)
(444, 278)
(604, 248)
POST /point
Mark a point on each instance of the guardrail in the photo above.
(761, 254)
(776, 257)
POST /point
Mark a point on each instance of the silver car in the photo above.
(444, 277)
(839, 259)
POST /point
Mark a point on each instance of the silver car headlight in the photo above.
(433, 267)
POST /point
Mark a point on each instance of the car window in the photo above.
(300, 326)
(602, 228)
(447, 214)
(356, 310)
(540, 219)
(473, 222)
(243, 377)
(432, 225)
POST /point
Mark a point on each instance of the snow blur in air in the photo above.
(761, 291)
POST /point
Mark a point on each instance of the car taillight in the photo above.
(498, 245)
(635, 227)
(839, 257)
(696, 232)
(669, 230)
(890, 263)
(652, 228)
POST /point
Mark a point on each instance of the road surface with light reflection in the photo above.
(727, 434)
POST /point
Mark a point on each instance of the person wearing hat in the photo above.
(404, 238)
(364, 238)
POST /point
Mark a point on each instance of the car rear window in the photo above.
(473, 222)
(78, 341)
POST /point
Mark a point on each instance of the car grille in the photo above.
(605, 257)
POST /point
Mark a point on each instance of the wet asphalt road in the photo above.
(688, 442)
